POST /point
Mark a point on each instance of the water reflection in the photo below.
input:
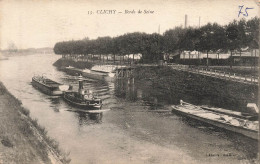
(55, 103)
(125, 88)
(156, 97)
(85, 118)
(152, 97)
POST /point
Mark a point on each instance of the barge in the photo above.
(106, 73)
(48, 86)
(231, 123)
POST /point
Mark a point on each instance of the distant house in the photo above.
(247, 57)
(200, 58)
(201, 55)
(135, 56)
(171, 57)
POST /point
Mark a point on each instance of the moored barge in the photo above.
(238, 125)
(94, 73)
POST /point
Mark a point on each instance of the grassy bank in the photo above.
(61, 63)
(23, 140)
(173, 85)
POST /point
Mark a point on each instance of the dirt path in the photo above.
(18, 144)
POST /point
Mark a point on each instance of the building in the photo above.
(247, 58)
(241, 58)
(201, 55)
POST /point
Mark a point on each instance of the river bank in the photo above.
(23, 140)
(197, 89)
(62, 63)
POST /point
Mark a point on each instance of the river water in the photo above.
(136, 129)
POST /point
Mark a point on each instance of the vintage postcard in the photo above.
(134, 81)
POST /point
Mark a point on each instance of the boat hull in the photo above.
(98, 75)
(246, 132)
(90, 74)
(46, 89)
(73, 71)
(93, 76)
(82, 105)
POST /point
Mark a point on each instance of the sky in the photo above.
(42, 23)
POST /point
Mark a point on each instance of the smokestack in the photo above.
(186, 20)
(199, 22)
(80, 84)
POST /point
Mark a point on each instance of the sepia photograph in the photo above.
(129, 82)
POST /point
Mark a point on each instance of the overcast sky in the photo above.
(31, 23)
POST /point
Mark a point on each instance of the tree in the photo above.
(171, 39)
(211, 37)
(220, 40)
(235, 32)
(252, 33)
(12, 47)
(207, 39)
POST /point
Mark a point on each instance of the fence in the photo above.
(218, 74)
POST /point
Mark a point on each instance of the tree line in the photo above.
(210, 37)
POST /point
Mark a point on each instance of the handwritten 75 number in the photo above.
(245, 13)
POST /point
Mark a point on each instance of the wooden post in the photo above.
(218, 58)
(183, 58)
(255, 61)
(231, 60)
(114, 58)
(117, 73)
(207, 59)
(189, 58)
(251, 61)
